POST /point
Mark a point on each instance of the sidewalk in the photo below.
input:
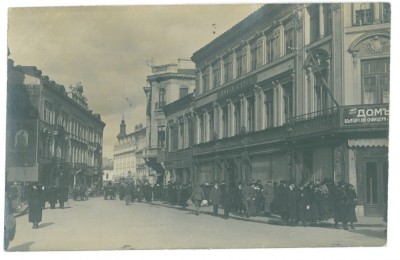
(376, 222)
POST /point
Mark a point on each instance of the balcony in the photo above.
(312, 123)
(160, 105)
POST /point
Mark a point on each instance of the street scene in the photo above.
(264, 128)
(98, 224)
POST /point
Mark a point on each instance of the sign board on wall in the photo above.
(365, 115)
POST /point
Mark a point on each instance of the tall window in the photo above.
(321, 93)
(206, 80)
(256, 54)
(241, 62)
(288, 100)
(225, 121)
(313, 11)
(375, 81)
(161, 99)
(211, 125)
(190, 131)
(272, 51)
(269, 108)
(327, 19)
(182, 135)
(183, 91)
(202, 130)
(174, 137)
(228, 68)
(237, 117)
(289, 41)
(217, 75)
(386, 12)
(362, 14)
(161, 136)
(250, 115)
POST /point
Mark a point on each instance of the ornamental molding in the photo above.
(370, 44)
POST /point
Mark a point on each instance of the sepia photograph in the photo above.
(197, 126)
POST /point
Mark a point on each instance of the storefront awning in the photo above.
(370, 142)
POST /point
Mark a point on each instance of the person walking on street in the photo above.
(227, 200)
(63, 195)
(53, 195)
(246, 195)
(35, 206)
(127, 193)
(197, 197)
(215, 198)
(351, 204)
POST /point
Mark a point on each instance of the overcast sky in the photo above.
(106, 48)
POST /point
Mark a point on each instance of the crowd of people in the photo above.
(304, 203)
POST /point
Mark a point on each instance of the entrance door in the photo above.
(376, 187)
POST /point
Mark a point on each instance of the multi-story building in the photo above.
(128, 151)
(166, 84)
(178, 161)
(108, 170)
(52, 136)
(298, 92)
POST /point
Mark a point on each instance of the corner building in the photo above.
(298, 92)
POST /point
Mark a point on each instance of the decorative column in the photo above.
(217, 120)
(376, 9)
(321, 21)
(234, 66)
(230, 117)
(243, 112)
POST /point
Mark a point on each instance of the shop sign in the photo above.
(366, 115)
(237, 87)
(22, 143)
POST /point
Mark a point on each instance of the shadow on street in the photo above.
(24, 247)
(43, 225)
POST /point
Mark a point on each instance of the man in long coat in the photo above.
(63, 195)
(35, 206)
(215, 198)
(197, 197)
(227, 200)
(53, 195)
(268, 194)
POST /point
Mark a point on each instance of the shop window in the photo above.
(375, 81)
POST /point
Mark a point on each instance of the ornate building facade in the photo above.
(297, 92)
(52, 136)
(167, 84)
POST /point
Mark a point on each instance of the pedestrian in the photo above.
(10, 223)
(227, 200)
(351, 197)
(269, 196)
(215, 198)
(303, 204)
(283, 192)
(53, 195)
(63, 195)
(292, 205)
(340, 205)
(197, 197)
(127, 193)
(35, 205)
(246, 198)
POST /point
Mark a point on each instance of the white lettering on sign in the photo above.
(366, 115)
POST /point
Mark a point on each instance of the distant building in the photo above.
(166, 84)
(52, 136)
(108, 169)
(128, 152)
